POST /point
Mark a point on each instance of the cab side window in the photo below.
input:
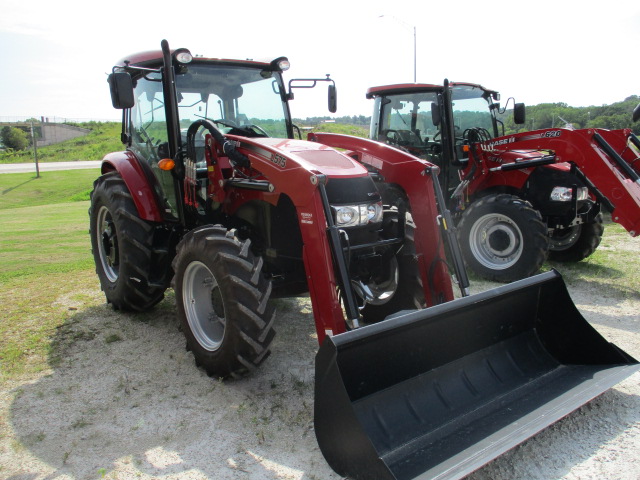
(149, 134)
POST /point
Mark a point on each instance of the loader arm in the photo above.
(609, 159)
(411, 174)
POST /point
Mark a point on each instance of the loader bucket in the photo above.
(437, 393)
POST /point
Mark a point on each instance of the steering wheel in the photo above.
(236, 158)
(394, 137)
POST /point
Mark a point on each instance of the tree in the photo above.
(14, 138)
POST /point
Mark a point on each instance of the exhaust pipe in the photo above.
(437, 393)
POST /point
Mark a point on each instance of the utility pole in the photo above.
(35, 149)
(414, 55)
(415, 51)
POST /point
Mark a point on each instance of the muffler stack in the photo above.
(437, 393)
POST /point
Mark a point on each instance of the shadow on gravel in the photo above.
(126, 396)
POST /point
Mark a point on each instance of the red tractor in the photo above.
(515, 198)
(214, 197)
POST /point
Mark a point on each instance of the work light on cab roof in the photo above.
(182, 55)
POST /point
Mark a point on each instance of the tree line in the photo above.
(554, 115)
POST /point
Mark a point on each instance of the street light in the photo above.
(414, 43)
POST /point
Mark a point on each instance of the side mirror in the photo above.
(121, 86)
(435, 114)
(636, 113)
(333, 98)
(519, 113)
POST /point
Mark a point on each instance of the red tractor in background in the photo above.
(515, 198)
(214, 197)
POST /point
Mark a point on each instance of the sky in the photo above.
(55, 56)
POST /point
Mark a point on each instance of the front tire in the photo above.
(123, 248)
(403, 283)
(503, 238)
(223, 302)
(576, 243)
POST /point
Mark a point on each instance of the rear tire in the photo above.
(122, 246)
(503, 238)
(223, 302)
(576, 243)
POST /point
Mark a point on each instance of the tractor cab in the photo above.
(161, 97)
(436, 122)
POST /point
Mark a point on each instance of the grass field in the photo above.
(26, 190)
(44, 254)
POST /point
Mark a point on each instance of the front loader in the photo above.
(214, 197)
(519, 198)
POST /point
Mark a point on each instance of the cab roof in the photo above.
(401, 88)
(153, 59)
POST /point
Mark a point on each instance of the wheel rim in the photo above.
(496, 241)
(203, 306)
(107, 241)
(564, 239)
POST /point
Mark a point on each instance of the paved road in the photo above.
(47, 166)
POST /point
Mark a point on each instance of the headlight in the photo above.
(354, 215)
(564, 194)
(347, 216)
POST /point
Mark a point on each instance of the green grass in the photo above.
(613, 267)
(45, 255)
(44, 239)
(342, 129)
(26, 190)
(104, 138)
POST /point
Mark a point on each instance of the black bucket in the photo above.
(437, 393)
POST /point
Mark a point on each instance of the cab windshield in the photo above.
(406, 119)
(471, 109)
(242, 101)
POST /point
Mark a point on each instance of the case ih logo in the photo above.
(491, 146)
(279, 160)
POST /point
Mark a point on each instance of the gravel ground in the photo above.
(127, 402)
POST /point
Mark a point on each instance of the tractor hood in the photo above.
(287, 154)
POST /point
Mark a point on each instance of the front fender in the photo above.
(139, 180)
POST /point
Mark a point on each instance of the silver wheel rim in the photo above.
(496, 241)
(566, 240)
(203, 306)
(107, 241)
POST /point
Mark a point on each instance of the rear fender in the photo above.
(139, 180)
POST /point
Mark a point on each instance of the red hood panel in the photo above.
(314, 156)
